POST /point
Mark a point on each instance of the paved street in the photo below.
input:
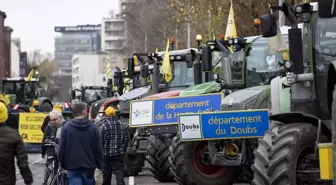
(37, 164)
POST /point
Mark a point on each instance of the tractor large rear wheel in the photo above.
(285, 156)
(158, 153)
(190, 165)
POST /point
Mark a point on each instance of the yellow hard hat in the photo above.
(3, 113)
(110, 111)
(36, 102)
(31, 109)
(58, 107)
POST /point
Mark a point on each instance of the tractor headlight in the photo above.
(288, 64)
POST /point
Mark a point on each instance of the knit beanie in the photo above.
(3, 113)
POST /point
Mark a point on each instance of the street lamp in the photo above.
(257, 24)
(199, 40)
(172, 42)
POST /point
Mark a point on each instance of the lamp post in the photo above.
(256, 25)
(199, 40)
(172, 42)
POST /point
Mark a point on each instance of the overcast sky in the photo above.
(33, 21)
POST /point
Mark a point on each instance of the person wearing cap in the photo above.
(114, 137)
(12, 147)
(46, 121)
(36, 105)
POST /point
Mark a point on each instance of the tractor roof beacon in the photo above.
(288, 152)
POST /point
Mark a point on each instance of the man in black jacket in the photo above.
(80, 151)
(12, 146)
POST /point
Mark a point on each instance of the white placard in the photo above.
(190, 127)
(142, 113)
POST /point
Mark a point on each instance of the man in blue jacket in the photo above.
(80, 151)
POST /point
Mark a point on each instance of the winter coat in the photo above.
(12, 147)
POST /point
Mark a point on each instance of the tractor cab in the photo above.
(19, 90)
(91, 94)
(249, 64)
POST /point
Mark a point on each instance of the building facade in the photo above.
(15, 59)
(112, 34)
(23, 64)
(75, 39)
(90, 69)
(5, 47)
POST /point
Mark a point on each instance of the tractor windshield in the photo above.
(236, 59)
(262, 66)
(324, 51)
(324, 44)
(24, 92)
(183, 77)
(92, 95)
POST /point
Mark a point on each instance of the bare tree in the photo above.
(148, 25)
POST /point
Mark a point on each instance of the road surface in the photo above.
(36, 164)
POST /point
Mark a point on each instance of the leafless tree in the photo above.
(148, 25)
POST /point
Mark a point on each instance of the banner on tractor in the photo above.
(164, 111)
(30, 127)
(223, 125)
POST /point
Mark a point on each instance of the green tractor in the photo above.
(244, 80)
(182, 68)
(23, 93)
(288, 153)
(91, 94)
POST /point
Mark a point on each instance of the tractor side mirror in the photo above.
(73, 94)
(269, 26)
(130, 68)
(144, 70)
(117, 78)
(206, 59)
(189, 60)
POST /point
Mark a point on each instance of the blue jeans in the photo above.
(81, 177)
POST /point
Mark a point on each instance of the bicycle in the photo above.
(51, 171)
(61, 178)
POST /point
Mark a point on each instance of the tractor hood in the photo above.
(165, 94)
(134, 94)
(251, 98)
(204, 88)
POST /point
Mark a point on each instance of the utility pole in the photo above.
(188, 26)
(209, 23)
(281, 21)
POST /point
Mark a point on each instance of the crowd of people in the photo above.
(83, 146)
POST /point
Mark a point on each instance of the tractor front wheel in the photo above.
(133, 163)
(191, 165)
(285, 156)
(158, 153)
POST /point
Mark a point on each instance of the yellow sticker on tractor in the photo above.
(30, 127)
